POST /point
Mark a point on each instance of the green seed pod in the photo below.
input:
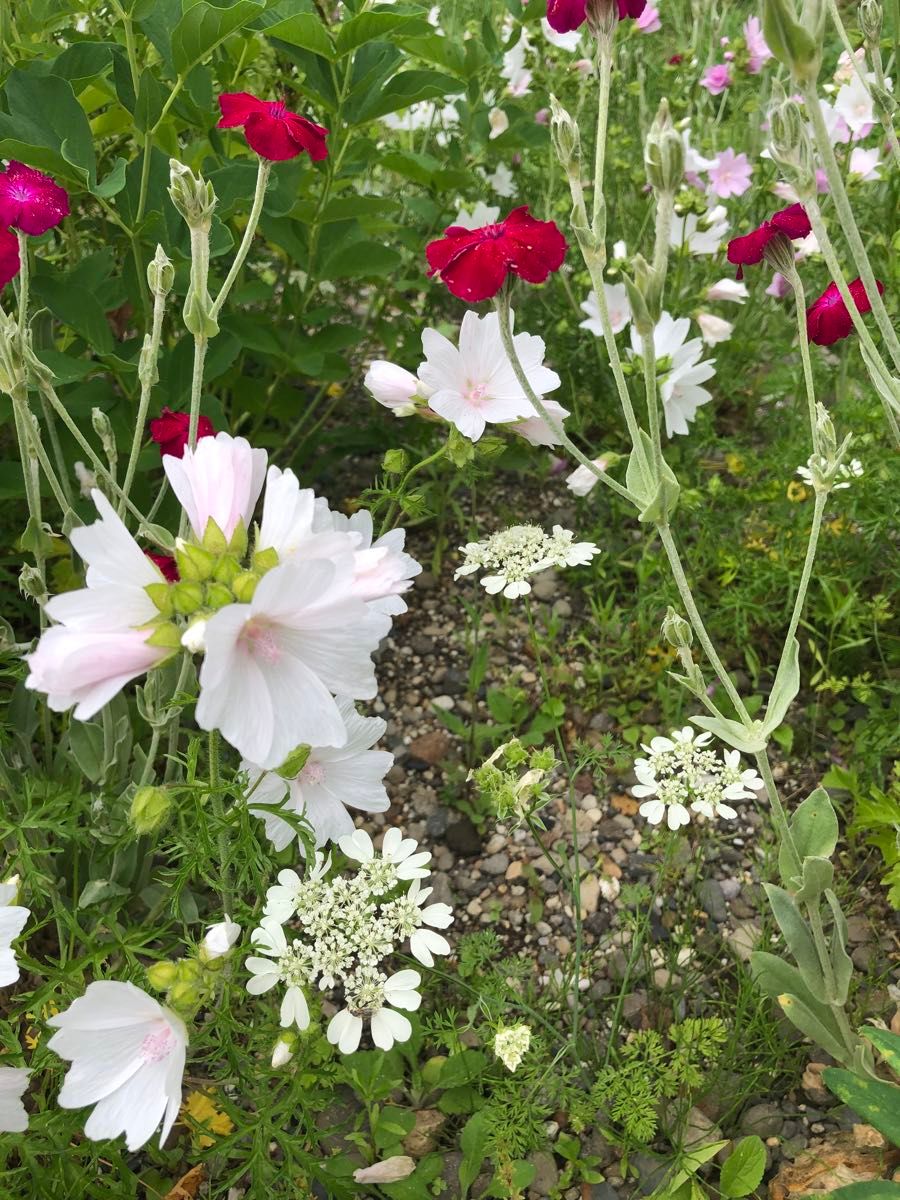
(149, 810)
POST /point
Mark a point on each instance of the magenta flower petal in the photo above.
(31, 201)
(271, 129)
(566, 15)
(793, 221)
(237, 108)
(9, 257)
(631, 8)
(828, 320)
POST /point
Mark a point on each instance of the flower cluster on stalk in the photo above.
(511, 556)
(342, 933)
(682, 774)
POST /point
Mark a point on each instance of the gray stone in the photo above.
(495, 864)
(546, 1175)
(712, 899)
(436, 825)
(651, 1172)
(765, 1120)
(603, 1191)
(463, 837)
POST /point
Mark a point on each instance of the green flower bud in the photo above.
(790, 141)
(566, 138)
(187, 597)
(227, 570)
(192, 195)
(264, 560)
(31, 584)
(664, 153)
(161, 975)
(185, 998)
(214, 540)
(395, 462)
(239, 541)
(166, 635)
(218, 596)
(189, 971)
(244, 586)
(637, 291)
(796, 43)
(195, 564)
(160, 273)
(196, 314)
(161, 595)
(676, 630)
(871, 16)
(149, 809)
(294, 763)
(104, 432)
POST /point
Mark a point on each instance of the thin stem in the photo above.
(149, 375)
(259, 195)
(598, 200)
(218, 806)
(175, 723)
(803, 338)
(413, 470)
(850, 1039)
(23, 286)
(806, 574)
(56, 447)
(648, 352)
(506, 336)
(200, 345)
(848, 222)
(34, 446)
(782, 828)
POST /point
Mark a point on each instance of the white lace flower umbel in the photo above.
(681, 774)
(512, 555)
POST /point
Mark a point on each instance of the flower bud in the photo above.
(104, 432)
(676, 630)
(264, 560)
(637, 291)
(219, 939)
(602, 17)
(218, 596)
(294, 763)
(244, 586)
(283, 1050)
(187, 597)
(161, 595)
(192, 195)
(566, 139)
(871, 16)
(195, 564)
(227, 570)
(664, 153)
(395, 462)
(160, 273)
(796, 43)
(161, 975)
(31, 583)
(826, 437)
(149, 809)
(194, 637)
(790, 144)
(166, 634)
(185, 997)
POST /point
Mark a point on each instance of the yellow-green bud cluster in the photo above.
(150, 808)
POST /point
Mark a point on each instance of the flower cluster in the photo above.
(511, 555)
(30, 203)
(817, 467)
(511, 1044)
(513, 782)
(342, 932)
(680, 772)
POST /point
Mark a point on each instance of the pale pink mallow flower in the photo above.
(273, 666)
(288, 523)
(864, 163)
(382, 570)
(127, 1054)
(716, 79)
(220, 480)
(539, 432)
(392, 386)
(648, 21)
(714, 329)
(100, 641)
(729, 174)
(583, 480)
(758, 52)
(728, 289)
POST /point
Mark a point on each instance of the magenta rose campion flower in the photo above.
(566, 15)
(9, 256)
(828, 319)
(30, 201)
(271, 130)
(791, 223)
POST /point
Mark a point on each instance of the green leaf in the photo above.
(868, 1189)
(306, 31)
(113, 181)
(151, 97)
(841, 963)
(878, 1102)
(47, 128)
(368, 27)
(404, 89)
(99, 890)
(691, 1164)
(473, 1142)
(76, 307)
(784, 689)
(814, 825)
(798, 939)
(742, 1171)
(86, 744)
(886, 1043)
(807, 1021)
(816, 875)
(360, 260)
(204, 26)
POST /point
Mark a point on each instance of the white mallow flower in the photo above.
(220, 480)
(854, 104)
(12, 921)
(396, 860)
(511, 1044)
(392, 386)
(474, 383)
(617, 305)
(728, 289)
(408, 917)
(127, 1054)
(714, 329)
(705, 238)
(865, 163)
(498, 121)
(286, 962)
(680, 389)
(100, 641)
(482, 214)
(382, 570)
(539, 432)
(288, 525)
(219, 939)
(369, 992)
(680, 773)
(502, 180)
(583, 480)
(512, 555)
(273, 666)
(331, 779)
(13, 1082)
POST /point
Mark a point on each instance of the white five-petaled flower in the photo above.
(539, 432)
(13, 1082)
(680, 388)
(331, 779)
(285, 962)
(220, 480)
(397, 859)
(100, 641)
(473, 383)
(12, 921)
(127, 1054)
(681, 773)
(368, 995)
(617, 305)
(273, 666)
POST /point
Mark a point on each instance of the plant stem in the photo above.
(413, 470)
(148, 375)
(259, 196)
(848, 222)
(850, 1039)
(200, 344)
(648, 352)
(23, 287)
(598, 199)
(34, 447)
(506, 336)
(803, 339)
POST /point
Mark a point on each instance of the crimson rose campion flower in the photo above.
(791, 222)
(170, 431)
(30, 201)
(474, 263)
(166, 564)
(566, 15)
(271, 130)
(828, 319)
(9, 256)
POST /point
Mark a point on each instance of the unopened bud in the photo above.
(187, 597)
(283, 1050)
(244, 586)
(219, 940)
(192, 195)
(149, 809)
(664, 153)
(31, 583)
(566, 139)
(676, 630)
(160, 273)
(790, 144)
(395, 462)
(871, 16)
(795, 42)
(195, 563)
(161, 975)
(826, 437)
(104, 431)
(637, 292)
(194, 637)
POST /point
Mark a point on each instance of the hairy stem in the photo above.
(259, 196)
(148, 376)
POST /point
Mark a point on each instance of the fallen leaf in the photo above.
(624, 804)
(831, 1163)
(188, 1185)
(387, 1171)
